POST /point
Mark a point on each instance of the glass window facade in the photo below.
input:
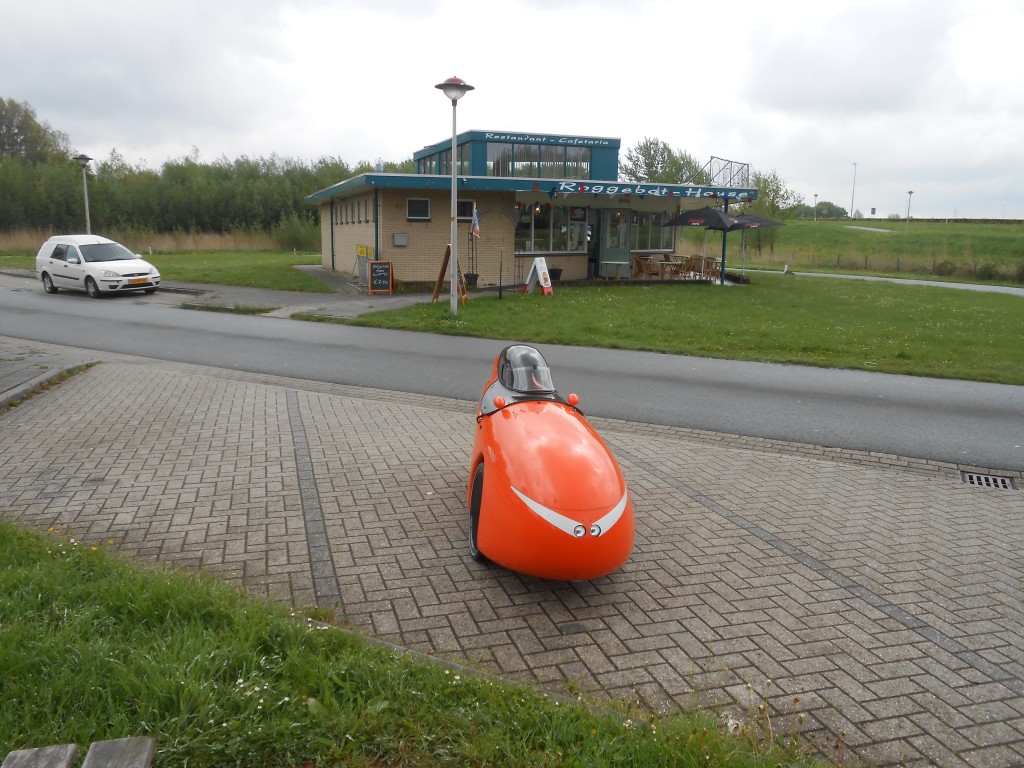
(577, 163)
(537, 161)
(525, 160)
(441, 163)
(499, 159)
(552, 162)
(647, 234)
(546, 228)
(525, 156)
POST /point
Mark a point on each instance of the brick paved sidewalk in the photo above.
(24, 365)
(861, 598)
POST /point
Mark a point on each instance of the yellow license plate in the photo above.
(138, 281)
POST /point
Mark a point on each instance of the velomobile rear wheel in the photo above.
(475, 502)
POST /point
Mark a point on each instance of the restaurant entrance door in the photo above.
(613, 258)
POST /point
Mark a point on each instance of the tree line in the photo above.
(655, 160)
(41, 186)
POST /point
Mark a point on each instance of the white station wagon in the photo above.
(93, 264)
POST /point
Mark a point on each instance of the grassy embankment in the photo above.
(961, 250)
(93, 648)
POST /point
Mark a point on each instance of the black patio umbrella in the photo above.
(709, 218)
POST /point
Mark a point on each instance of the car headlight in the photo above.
(108, 274)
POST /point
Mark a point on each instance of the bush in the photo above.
(988, 271)
(297, 233)
(944, 268)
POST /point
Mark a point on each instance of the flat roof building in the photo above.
(533, 194)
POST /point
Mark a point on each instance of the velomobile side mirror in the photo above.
(573, 399)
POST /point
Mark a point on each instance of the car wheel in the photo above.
(48, 285)
(91, 288)
(475, 502)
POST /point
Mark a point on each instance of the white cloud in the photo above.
(921, 94)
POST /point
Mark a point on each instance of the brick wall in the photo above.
(420, 259)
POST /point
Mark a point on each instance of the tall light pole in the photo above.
(815, 206)
(854, 192)
(454, 89)
(84, 160)
(906, 228)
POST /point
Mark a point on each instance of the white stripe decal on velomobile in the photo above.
(567, 524)
(605, 523)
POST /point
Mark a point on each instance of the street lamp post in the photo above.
(906, 227)
(454, 89)
(854, 191)
(84, 160)
(815, 206)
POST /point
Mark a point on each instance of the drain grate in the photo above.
(988, 481)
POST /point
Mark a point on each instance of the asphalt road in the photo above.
(976, 424)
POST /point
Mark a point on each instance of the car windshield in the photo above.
(529, 371)
(106, 252)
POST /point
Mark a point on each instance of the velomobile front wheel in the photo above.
(475, 502)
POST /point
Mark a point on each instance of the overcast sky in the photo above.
(923, 95)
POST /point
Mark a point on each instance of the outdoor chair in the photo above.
(693, 266)
(672, 269)
(644, 267)
(686, 268)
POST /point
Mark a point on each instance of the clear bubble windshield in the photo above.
(526, 371)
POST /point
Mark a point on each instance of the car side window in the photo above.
(59, 252)
(72, 255)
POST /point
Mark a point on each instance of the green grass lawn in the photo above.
(251, 269)
(17, 261)
(971, 251)
(918, 330)
(92, 648)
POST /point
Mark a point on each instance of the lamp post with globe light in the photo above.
(454, 89)
(84, 160)
(906, 226)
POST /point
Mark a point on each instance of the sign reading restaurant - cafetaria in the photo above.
(538, 138)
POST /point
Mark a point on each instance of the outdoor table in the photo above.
(620, 267)
(669, 264)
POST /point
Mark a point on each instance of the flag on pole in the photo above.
(476, 223)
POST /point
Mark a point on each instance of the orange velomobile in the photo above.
(546, 496)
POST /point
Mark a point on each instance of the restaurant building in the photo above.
(547, 195)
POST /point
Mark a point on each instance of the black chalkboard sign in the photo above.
(380, 277)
